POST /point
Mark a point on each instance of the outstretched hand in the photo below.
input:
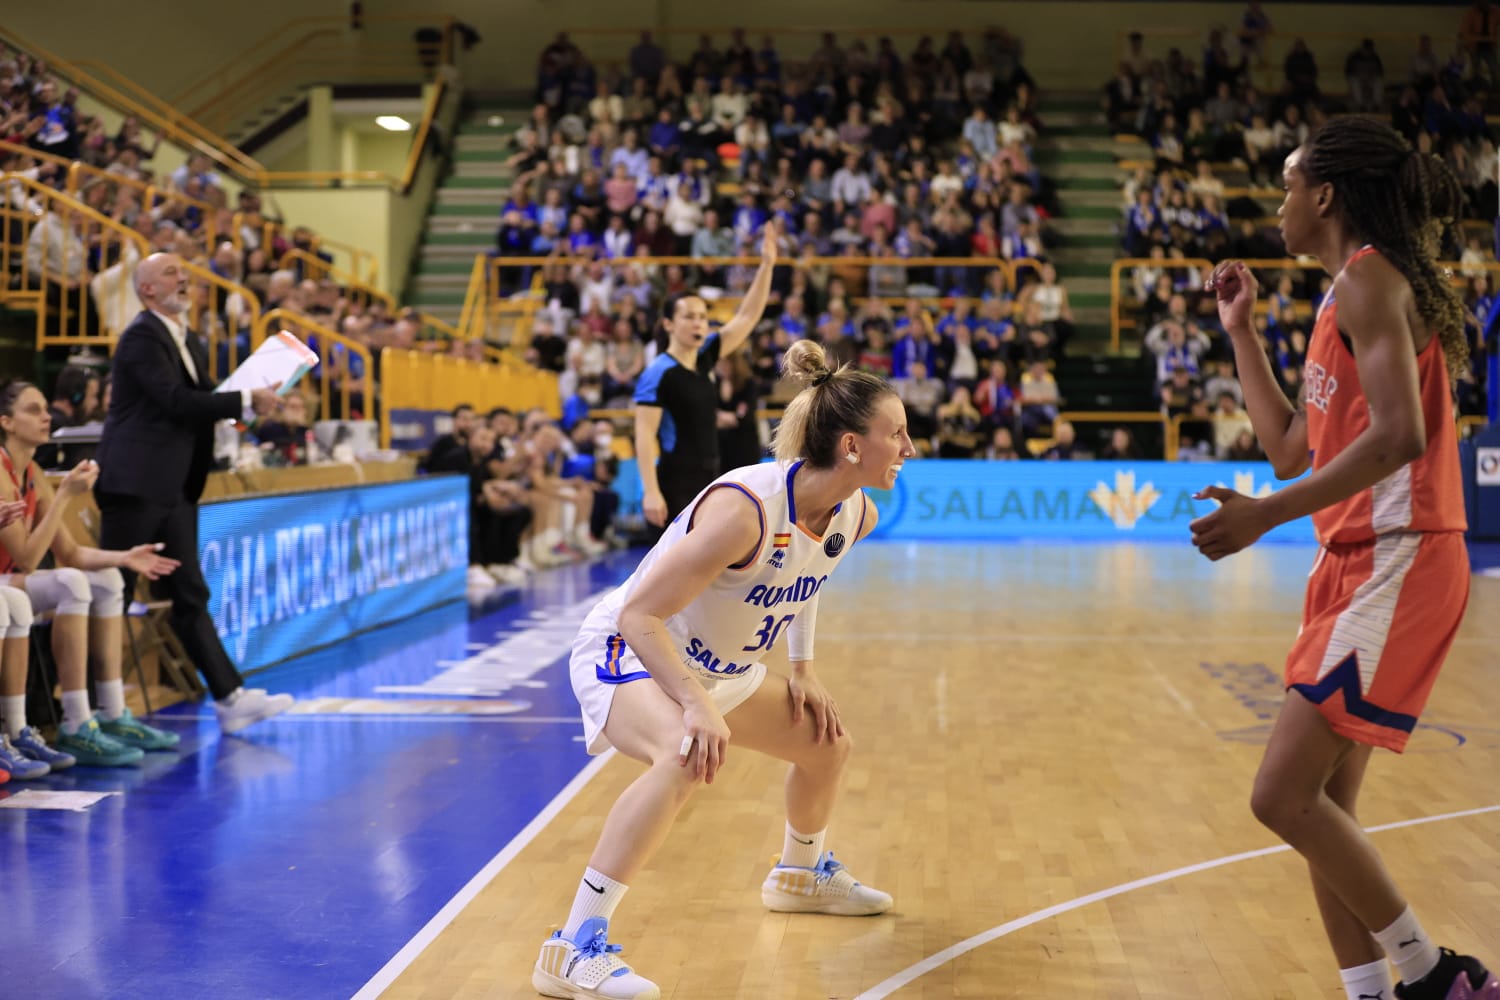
(1237, 523)
(769, 245)
(144, 560)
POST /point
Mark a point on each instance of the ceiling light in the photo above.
(393, 123)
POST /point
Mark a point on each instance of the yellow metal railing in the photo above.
(471, 317)
(344, 390)
(1469, 424)
(52, 254)
(486, 312)
(313, 49)
(1124, 417)
(1119, 301)
(418, 380)
(75, 268)
(318, 269)
(113, 89)
(78, 176)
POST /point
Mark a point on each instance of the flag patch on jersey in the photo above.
(781, 539)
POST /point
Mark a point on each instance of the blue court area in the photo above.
(295, 860)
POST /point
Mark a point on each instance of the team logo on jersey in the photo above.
(778, 558)
(833, 545)
(1320, 385)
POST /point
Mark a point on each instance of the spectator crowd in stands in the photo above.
(1206, 119)
(894, 162)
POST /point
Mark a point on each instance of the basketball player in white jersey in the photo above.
(669, 667)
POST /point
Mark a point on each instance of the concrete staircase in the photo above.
(466, 209)
(1080, 155)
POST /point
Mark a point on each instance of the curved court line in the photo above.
(907, 975)
(429, 932)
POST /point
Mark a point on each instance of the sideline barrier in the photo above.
(295, 571)
(974, 500)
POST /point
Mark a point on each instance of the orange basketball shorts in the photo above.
(1378, 619)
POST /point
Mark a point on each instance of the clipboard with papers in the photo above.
(280, 359)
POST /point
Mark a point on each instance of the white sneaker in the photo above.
(588, 968)
(582, 540)
(480, 578)
(506, 573)
(828, 888)
(247, 706)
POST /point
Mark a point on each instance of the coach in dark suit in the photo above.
(154, 457)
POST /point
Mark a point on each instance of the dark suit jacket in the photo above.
(158, 437)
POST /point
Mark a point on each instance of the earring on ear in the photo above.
(853, 458)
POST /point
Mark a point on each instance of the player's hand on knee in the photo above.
(807, 693)
(705, 740)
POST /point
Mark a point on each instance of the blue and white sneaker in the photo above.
(31, 744)
(18, 765)
(588, 968)
(827, 888)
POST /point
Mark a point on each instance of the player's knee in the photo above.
(74, 596)
(11, 603)
(1277, 808)
(682, 780)
(106, 593)
(17, 612)
(829, 754)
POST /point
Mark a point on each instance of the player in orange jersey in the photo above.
(1388, 589)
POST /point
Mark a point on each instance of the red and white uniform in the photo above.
(1389, 587)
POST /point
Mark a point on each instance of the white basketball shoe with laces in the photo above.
(588, 968)
(827, 888)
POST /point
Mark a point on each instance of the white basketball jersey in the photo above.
(739, 618)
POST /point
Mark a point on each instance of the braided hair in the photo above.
(1402, 202)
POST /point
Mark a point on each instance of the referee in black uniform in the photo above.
(676, 402)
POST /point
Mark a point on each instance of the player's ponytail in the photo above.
(832, 402)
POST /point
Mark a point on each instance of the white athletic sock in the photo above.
(1368, 982)
(598, 895)
(76, 710)
(802, 850)
(111, 698)
(1409, 947)
(13, 711)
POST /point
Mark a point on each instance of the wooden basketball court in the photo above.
(1040, 731)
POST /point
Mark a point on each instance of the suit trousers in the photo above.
(127, 521)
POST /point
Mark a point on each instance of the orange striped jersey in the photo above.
(744, 612)
(1423, 495)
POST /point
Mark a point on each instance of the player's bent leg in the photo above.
(579, 963)
(823, 885)
(1291, 799)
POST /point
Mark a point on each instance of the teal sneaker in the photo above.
(132, 732)
(90, 746)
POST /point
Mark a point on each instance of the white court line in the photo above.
(1181, 699)
(514, 720)
(913, 972)
(424, 937)
(1112, 637)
